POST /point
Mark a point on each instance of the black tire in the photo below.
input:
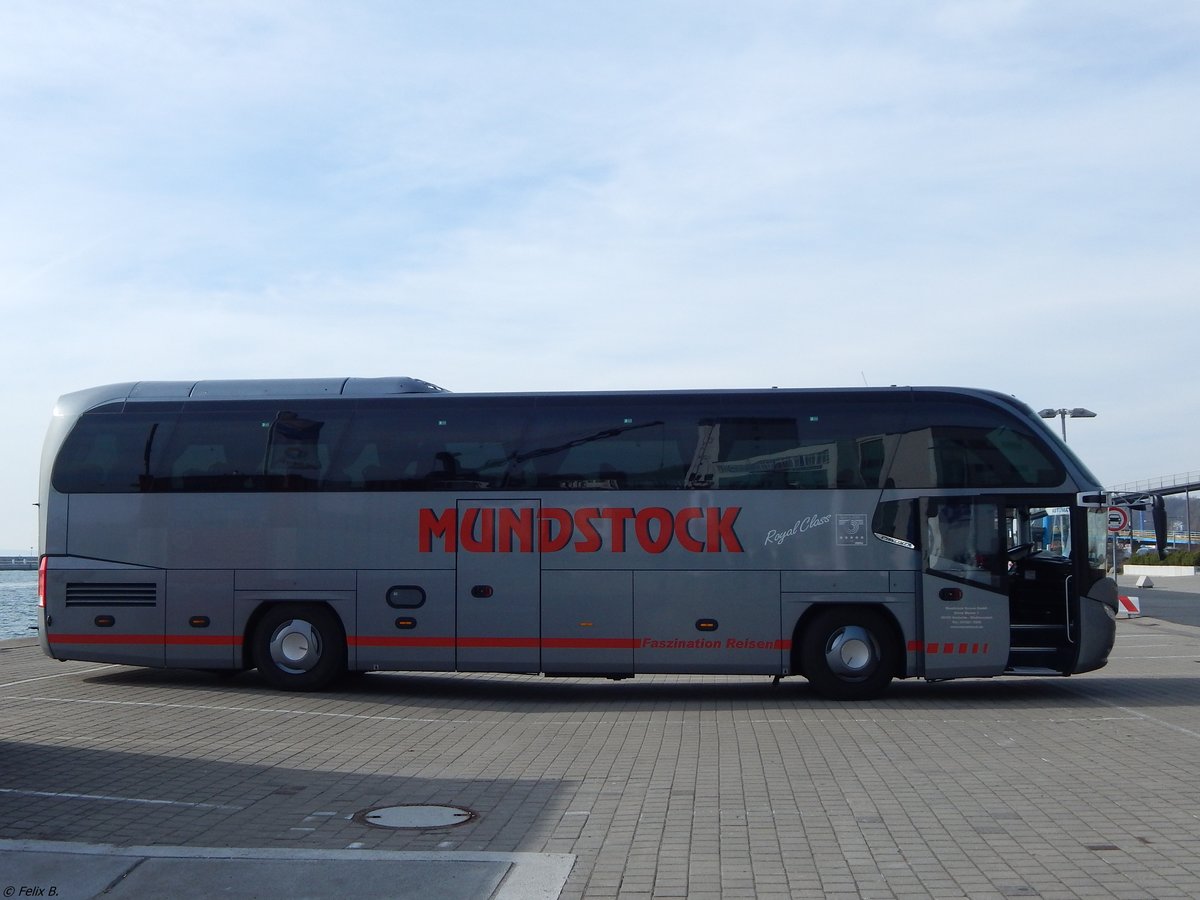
(300, 646)
(849, 653)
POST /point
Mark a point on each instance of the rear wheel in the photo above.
(300, 646)
(849, 653)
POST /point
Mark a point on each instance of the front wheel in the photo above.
(849, 653)
(300, 646)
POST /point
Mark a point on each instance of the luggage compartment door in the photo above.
(498, 587)
(708, 622)
(587, 622)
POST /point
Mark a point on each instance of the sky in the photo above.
(631, 194)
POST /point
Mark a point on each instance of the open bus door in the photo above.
(964, 588)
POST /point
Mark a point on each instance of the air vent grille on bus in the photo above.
(112, 594)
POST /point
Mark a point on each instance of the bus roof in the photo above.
(242, 389)
(77, 402)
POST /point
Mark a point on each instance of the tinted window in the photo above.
(621, 447)
(428, 447)
(216, 451)
(111, 452)
(820, 445)
(209, 448)
(964, 540)
(249, 447)
(896, 521)
(721, 442)
(975, 447)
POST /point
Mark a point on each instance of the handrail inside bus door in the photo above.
(1067, 605)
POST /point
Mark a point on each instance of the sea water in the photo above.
(18, 604)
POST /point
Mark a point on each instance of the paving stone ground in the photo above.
(1084, 787)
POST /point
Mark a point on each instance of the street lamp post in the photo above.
(1077, 413)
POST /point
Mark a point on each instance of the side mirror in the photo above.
(1158, 513)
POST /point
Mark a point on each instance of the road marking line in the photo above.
(256, 710)
(1132, 712)
(59, 675)
(70, 796)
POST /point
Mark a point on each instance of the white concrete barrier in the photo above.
(1160, 571)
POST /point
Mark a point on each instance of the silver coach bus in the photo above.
(313, 527)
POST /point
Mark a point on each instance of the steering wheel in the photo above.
(1020, 551)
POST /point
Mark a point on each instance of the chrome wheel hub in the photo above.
(295, 646)
(852, 652)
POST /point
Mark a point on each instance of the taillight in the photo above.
(42, 583)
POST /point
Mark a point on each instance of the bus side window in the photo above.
(222, 450)
(293, 452)
(111, 453)
(968, 449)
(385, 467)
(371, 452)
(194, 463)
(89, 464)
(964, 540)
(739, 452)
(604, 449)
(897, 520)
(464, 465)
(349, 470)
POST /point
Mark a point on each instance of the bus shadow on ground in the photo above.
(534, 693)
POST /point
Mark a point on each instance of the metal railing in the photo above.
(1176, 483)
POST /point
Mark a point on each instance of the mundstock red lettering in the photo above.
(549, 540)
(485, 542)
(589, 538)
(515, 524)
(618, 516)
(720, 529)
(658, 539)
(590, 529)
(682, 518)
(432, 525)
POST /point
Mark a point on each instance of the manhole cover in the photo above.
(417, 817)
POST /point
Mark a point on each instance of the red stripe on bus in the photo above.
(106, 639)
(379, 641)
(948, 649)
(233, 640)
(204, 640)
(498, 642)
(592, 643)
(551, 643)
(194, 640)
(556, 643)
